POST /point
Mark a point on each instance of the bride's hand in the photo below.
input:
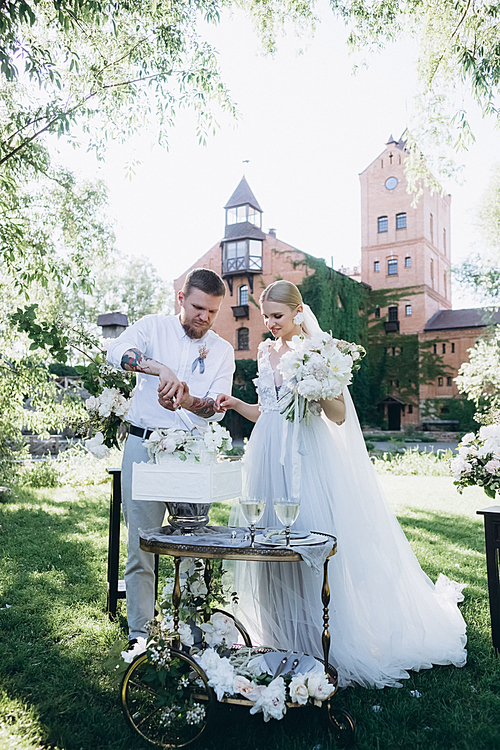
(224, 402)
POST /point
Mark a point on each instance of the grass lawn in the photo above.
(56, 692)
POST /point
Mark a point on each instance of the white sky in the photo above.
(308, 127)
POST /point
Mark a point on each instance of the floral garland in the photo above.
(230, 671)
(184, 444)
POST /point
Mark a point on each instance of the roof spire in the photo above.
(242, 195)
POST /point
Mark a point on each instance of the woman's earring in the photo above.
(299, 318)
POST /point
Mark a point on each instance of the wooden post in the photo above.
(492, 536)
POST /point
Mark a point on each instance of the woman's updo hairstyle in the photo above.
(284, 293)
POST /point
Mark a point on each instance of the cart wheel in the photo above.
(169, 716)
(341, 725)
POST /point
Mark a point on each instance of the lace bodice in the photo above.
(267, 389)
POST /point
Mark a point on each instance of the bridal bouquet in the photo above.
(316, 368)
(478, 460)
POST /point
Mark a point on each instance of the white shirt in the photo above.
(163, 338)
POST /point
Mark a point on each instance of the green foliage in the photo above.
(414, 462)
(243, 388)
(340, 304)
(458, 409)
(459, 43)
(40, 474)
(56, 691)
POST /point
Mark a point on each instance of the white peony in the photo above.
(492, 466)
(271, 701)
(220, 672)
(92, 403)
(319, 687)
(220, 628)
(198, 588)
(96, 446)
(298, 690)
(245, 687)
(468, 438)
(490, 431)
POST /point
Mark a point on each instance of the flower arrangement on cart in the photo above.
(177, 679)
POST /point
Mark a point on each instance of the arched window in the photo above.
(243, 339)
(243, 295)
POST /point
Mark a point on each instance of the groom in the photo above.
(181, 367)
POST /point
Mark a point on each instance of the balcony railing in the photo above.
(391, 326)
(245, 264)
(240, 311)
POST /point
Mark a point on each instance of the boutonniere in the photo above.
(200, 359)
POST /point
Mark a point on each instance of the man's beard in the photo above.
(194, 332)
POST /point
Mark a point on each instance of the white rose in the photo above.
(96, 445)
(220, 628)
(319, 688)
(91, 404)
(492, 466)
(271, 701)
(468, 438)
(220, 672)
(490, 431)
(243, 686)
(198, 588)
(299, 692)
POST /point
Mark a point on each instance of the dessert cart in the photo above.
(183, 723)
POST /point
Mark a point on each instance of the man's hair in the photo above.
(205, 280)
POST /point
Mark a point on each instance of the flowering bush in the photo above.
(478, 460)
(314, 369)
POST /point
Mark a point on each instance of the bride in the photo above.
(386, 615)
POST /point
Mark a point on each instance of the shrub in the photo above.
(413, 461)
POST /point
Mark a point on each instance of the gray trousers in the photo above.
(139, 571)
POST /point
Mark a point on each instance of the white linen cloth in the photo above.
(220, 536)
(163, 338)
(386, 615)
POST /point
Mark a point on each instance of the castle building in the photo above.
(406, 260)
(248, 259)
(416, 341)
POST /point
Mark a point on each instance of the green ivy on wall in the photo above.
(459, 409)
(243, 388)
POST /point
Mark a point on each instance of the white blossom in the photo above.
(271, 701)
(220, 628)
(219, 670)
(319, 687)
(96, 446)
(298, 690)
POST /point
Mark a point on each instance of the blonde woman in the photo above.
(386, 615)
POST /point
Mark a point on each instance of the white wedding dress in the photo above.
(386, 615)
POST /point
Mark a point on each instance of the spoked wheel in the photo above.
(175, 714)
(341, 725)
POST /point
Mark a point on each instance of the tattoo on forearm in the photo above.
(203, 407)
(135, 360)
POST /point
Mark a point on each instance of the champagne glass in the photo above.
(287, 511)
(253, 510)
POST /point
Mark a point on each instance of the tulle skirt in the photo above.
(386, 615)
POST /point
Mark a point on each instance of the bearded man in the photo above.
(181, 367)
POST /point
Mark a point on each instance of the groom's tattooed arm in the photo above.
(170, 387)
(135, 361)
(203, 407)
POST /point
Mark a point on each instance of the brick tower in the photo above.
(404, 248)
